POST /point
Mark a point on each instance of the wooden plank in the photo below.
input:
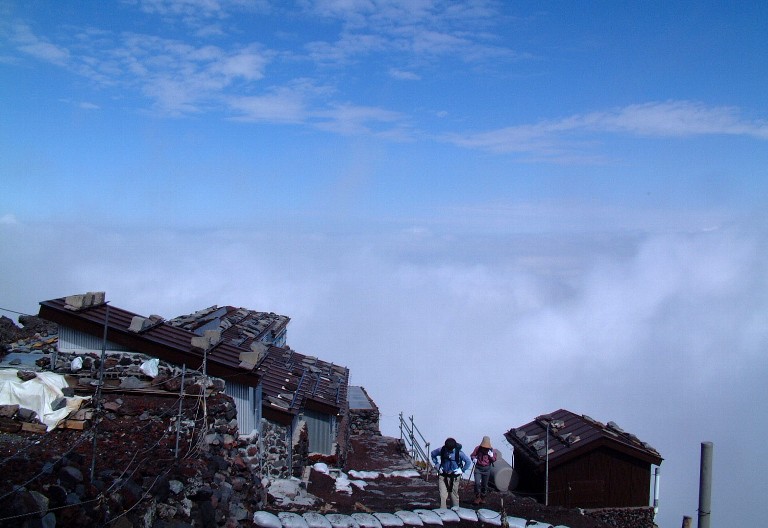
(74, 424)
(34, 427)
(82, 414)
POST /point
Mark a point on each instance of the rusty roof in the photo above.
(290, 381)
(240, 326)
(571, 435)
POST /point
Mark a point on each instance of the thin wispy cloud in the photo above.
(285, 106)
(403, 75)
(670, 119)
(29, 43)
(353, 119)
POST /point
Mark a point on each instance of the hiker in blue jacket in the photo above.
(453, 463)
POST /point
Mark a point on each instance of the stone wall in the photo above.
(624, 517)
(300, 449)
(364, 421)
(276, 444)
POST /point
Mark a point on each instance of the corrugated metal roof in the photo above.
(571, 435)
(239, 326)
(290, 381)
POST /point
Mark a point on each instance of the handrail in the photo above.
(414, 447)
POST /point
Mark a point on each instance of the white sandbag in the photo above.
(539, 524)
(339, 520)
(447, 515)
(517, 522)
(149, 367)
(389, 520)
(77, 364)
(266, 520)
(321, 467)
(292, 520)
(489, 516)
(410, 518)
(366, 520)
(466, 514)
(428, 517)
(316, 520)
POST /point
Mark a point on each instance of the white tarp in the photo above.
(37, 395)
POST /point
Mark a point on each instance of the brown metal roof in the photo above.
(290, 381)
(571, 435)
(240, 326)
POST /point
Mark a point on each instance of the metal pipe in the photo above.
(705, 485)
(97, 395)
(656, 481)
(181, 401)
(546, 478)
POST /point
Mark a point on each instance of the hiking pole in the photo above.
(472, 472)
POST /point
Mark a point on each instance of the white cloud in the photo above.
(282, 107)
(659, 119)
(37, 47)
(352, 119)
(403, 75)
(664, 334)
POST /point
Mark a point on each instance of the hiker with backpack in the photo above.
(483, 457)
(453, 463)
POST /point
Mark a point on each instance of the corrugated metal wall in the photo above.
(320, 428)
(71, 340)
(248, 403)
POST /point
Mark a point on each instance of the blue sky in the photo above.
(573, 193)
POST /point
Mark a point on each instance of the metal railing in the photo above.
(413, 440)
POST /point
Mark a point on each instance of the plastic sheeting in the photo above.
(37, 395)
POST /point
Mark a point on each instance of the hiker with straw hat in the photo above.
(483, 457)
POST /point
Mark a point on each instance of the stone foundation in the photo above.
(624, 517)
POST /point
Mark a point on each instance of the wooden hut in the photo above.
(588, 464)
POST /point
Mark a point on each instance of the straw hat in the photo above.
(486, 442)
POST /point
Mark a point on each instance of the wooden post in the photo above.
(686, 522)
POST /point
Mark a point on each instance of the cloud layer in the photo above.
(664, 334)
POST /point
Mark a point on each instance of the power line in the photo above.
(15, 312)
